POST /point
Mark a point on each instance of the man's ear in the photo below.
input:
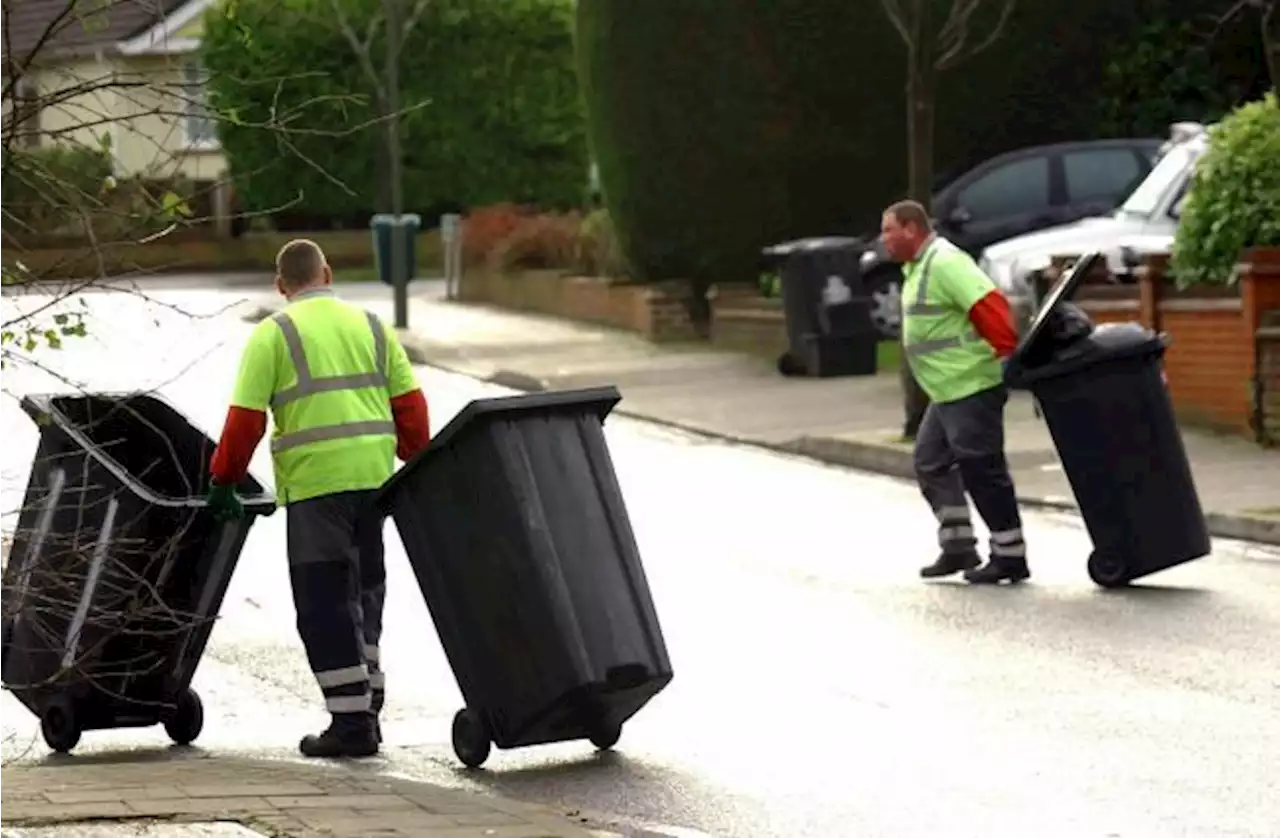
(280, 286)
(328, 274)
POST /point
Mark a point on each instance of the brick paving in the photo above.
(281, 799)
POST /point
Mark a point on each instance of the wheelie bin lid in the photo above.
(598, 400)
(814, 243)
(46, 408)
(1063, 290)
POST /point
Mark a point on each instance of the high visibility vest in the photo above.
(947, 356)
(334, 427)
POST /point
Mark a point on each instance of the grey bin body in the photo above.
(830, 331)
(1103, 396)
(515, 525)
(117, 570)
(382, 225)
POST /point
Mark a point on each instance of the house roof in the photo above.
(43, 29)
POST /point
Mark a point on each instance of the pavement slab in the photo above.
(232, 797)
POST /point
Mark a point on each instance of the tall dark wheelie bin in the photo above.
(830, 331)
(117, 569)
(1102, 392)
(514, 523)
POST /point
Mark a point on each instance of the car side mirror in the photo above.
(959, 217)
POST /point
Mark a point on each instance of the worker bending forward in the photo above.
(345, 403)
(957, 330)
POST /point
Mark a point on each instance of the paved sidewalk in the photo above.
(269, 798)
(852, 422)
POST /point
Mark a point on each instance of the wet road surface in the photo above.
(821, 689)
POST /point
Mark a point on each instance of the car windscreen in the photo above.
(1171, 169)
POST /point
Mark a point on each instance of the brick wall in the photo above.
(1269, 377)
(1214, 362)
(657, 311)
(744, 321)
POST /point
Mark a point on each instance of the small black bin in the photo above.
(830, 331)
(117, 570)
(1103, 395)
(515, 525)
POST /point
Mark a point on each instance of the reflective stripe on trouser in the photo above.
(960, 447)
(373, 594)
(324, 537)
(309, 384)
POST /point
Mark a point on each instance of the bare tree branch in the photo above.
(418, 8)
(897, 16)
(362, 48)
(954, 37)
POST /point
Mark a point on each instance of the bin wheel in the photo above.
(59, 726)
(1108, 571)
(187, 719)
(470, 738)
(604, 735)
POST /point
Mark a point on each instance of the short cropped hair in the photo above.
(911, 212)
(299, 263)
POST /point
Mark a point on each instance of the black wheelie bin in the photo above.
(514, 523)
(1102, 392)
(117, 570)
(830, 331)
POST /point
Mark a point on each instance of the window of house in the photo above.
(1013, 189)
(198, 123)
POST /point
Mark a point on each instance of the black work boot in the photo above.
(999, 569)
(949, 563)
(377, 728)
(349, 735)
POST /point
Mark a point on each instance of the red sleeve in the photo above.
(994, 322)
(413, 423)
(241, 434)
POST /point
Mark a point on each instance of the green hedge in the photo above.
(1234, 200)
(490, 99)
(723, 126)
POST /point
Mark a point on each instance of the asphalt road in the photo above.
(821, 689)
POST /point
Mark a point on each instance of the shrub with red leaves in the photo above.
(538, 242)
(484, 228)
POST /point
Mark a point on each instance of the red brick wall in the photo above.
(656, 311)
(1208, 361)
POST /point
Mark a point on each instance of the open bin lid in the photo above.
(815, 243)
(598, 400)
(1035, 343)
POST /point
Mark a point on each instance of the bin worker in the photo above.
(957, 335)
(345, 403)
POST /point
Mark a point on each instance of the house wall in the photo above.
(136, 103)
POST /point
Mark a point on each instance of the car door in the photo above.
(1097, 180)
(998, 202)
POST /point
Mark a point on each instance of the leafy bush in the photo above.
(1234, 199)
(539, 242)
(598, 252)
(484, 228)
(45, 189)
(490, 105)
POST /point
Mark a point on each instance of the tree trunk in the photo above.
(920, 111)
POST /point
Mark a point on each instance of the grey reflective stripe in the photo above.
(349, 703)
(921, 304)
(371, 653)
(1013, 551)
(925, 347)
(345, 675)
(956, 514)
(377, 680)
(955, 533)
(328, 432)
(1012, 536)
(308, 384)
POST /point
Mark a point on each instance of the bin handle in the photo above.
(41, 410)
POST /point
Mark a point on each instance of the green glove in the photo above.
(224, 503)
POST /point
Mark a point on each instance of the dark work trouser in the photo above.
(336, 566)
(960, 447)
